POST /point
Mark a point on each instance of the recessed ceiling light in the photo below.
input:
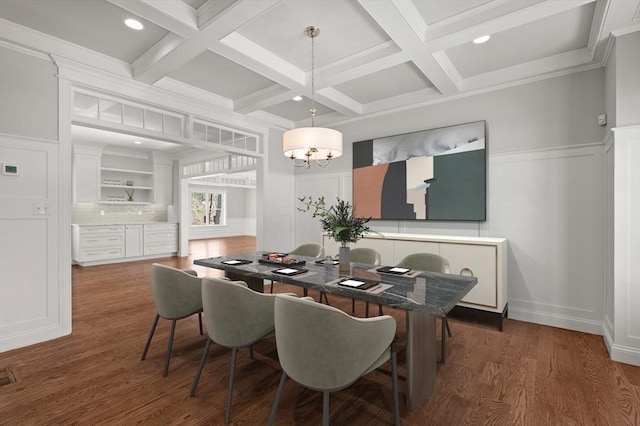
(137, 142)
(297, 98)
(134, 24)
(482, 39)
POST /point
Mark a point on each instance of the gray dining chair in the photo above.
(430, 262)
(236, 317)
(309, 250)
(363, 255)
(326, 349)
(176, 294)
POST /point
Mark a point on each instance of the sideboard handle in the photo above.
(466, 272)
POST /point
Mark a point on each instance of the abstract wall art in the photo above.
(436, 174)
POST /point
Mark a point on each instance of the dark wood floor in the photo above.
(527, 375)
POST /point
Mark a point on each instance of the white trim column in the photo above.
(623, 335)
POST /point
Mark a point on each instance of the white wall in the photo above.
(29, 101)
(35, 303)
(545, 190)
(275, 206)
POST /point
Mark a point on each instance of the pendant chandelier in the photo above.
(305, 145)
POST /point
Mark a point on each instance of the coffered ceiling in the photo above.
(252, 56)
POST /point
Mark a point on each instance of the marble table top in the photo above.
(430, 292)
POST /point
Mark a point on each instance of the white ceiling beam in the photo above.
(168, 54)
(505, 22)
(156, 12)
(177, 10)
(409, 12)
(364, 57)
(338, 101)
(262, 61)
(387, 15)
(211, 10)
(471, 17)
(263, 99)
(403, 100)
(328, 77)
(539, 67)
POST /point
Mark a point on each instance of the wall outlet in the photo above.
(41, 208)
(602, 120)
(139, 212)
(101, 212)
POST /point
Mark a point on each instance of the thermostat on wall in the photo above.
(10, 169)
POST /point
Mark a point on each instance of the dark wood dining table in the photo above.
(423, 295)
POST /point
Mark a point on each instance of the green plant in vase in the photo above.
(340, 222)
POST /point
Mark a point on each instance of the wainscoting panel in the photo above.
(549, 204)
(30, 285)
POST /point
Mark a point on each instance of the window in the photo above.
(207, 208)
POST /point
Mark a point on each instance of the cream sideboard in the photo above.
(483, 258)
(99, 244)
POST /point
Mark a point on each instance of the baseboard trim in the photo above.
(31, 337)
(619, 353)
(556, 320)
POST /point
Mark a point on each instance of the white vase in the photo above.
(345, 264)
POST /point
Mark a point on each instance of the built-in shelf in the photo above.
(127, 187)
(129, 203)
(136, 172)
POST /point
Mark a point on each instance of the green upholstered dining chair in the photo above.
(236, 317)
(326, 349)
(429, 262)
(177, 294)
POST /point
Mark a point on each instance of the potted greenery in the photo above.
(339, 222)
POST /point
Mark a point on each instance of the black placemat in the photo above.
(289, 271)
(234, 262)
(393, 270)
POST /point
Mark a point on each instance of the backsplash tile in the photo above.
(89, 213)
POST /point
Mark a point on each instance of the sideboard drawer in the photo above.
(101, 229)
(88, 255)
(101, 240)
(160, 248)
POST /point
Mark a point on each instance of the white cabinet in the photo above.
(133, 240)
(86, 174)
(162, 179)
(94, 243)
(483, 258)
(480, 261)
(97, 244)
(160, 238)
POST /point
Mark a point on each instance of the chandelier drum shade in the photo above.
(306, 144)
(312, 143)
